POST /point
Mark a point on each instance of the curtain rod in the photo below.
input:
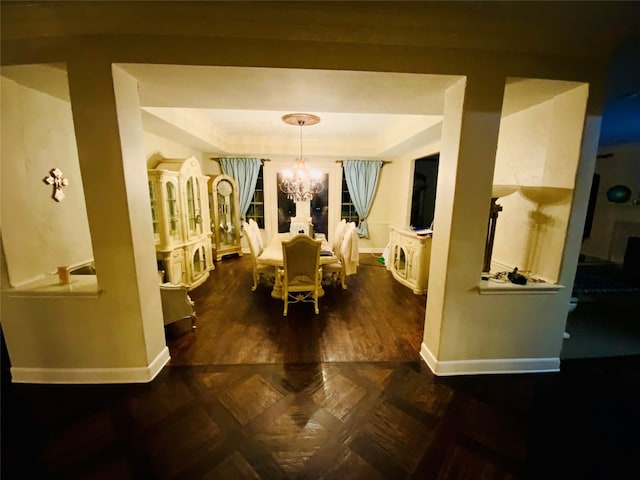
(262, 160)
(384, 162)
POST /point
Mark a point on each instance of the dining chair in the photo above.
(338, 235)
(335, 272)
(258, 270)
(256, 229)
(301, 273)
(176, 303)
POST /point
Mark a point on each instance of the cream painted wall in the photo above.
(563, 151)
(145, 283)
(538, 147)
(468, 180)
(612, 223)
(115, 333)
(39, 234)
(440, 245)
(522, 146)
(156, 146)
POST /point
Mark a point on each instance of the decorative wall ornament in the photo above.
(56, 179)
(619, 194)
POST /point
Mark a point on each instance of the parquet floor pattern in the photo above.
(315, 421)
(374, 319)
(310, 405)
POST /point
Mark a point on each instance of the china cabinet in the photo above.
(224, 207)
(409, 256)
(180, 216)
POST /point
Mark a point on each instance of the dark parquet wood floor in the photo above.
(341, 395)
(374, 319)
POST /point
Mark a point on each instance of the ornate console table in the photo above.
(409, 255)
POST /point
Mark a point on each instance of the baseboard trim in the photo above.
(492, 366)
(372, 250)
(92, 375)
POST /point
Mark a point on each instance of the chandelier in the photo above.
(301, 183)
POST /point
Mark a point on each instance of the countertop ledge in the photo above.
(489, 287)
(50, 286)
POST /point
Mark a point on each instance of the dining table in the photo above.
(272, 255)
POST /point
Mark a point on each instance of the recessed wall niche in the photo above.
(537, 157)
(40, 235)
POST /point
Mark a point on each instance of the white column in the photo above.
(469, 141)
(109, 136)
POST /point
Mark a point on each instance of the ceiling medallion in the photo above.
(301, 183)
(300, 119)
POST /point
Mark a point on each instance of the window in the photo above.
(423, 199)
(347, 210)
(319, 208)
(286, 208)
(256, 207)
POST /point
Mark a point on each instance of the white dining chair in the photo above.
(258, 270)
(176, 303)
(335, 272)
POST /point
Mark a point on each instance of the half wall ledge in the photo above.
(487, 287)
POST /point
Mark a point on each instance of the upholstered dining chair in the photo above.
(301, 274)
(336, 271)
(176, 303)
(338, 235)
(256, 229)
(259, 270)
(333, 272)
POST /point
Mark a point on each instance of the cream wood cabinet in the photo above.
(180, 216)
(409, 256)
(224, 207)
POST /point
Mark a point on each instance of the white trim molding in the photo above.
(92, 375)
(488, 366)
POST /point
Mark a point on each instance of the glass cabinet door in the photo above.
(154, 213)
(172, 211)
(193, 206)
(227, 211)
(225, 216)
(198, 262)
(400, 261)
(197, 193)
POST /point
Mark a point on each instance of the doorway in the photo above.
(423, 198)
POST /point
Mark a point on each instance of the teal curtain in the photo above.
(245, 172)
(362, 181)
